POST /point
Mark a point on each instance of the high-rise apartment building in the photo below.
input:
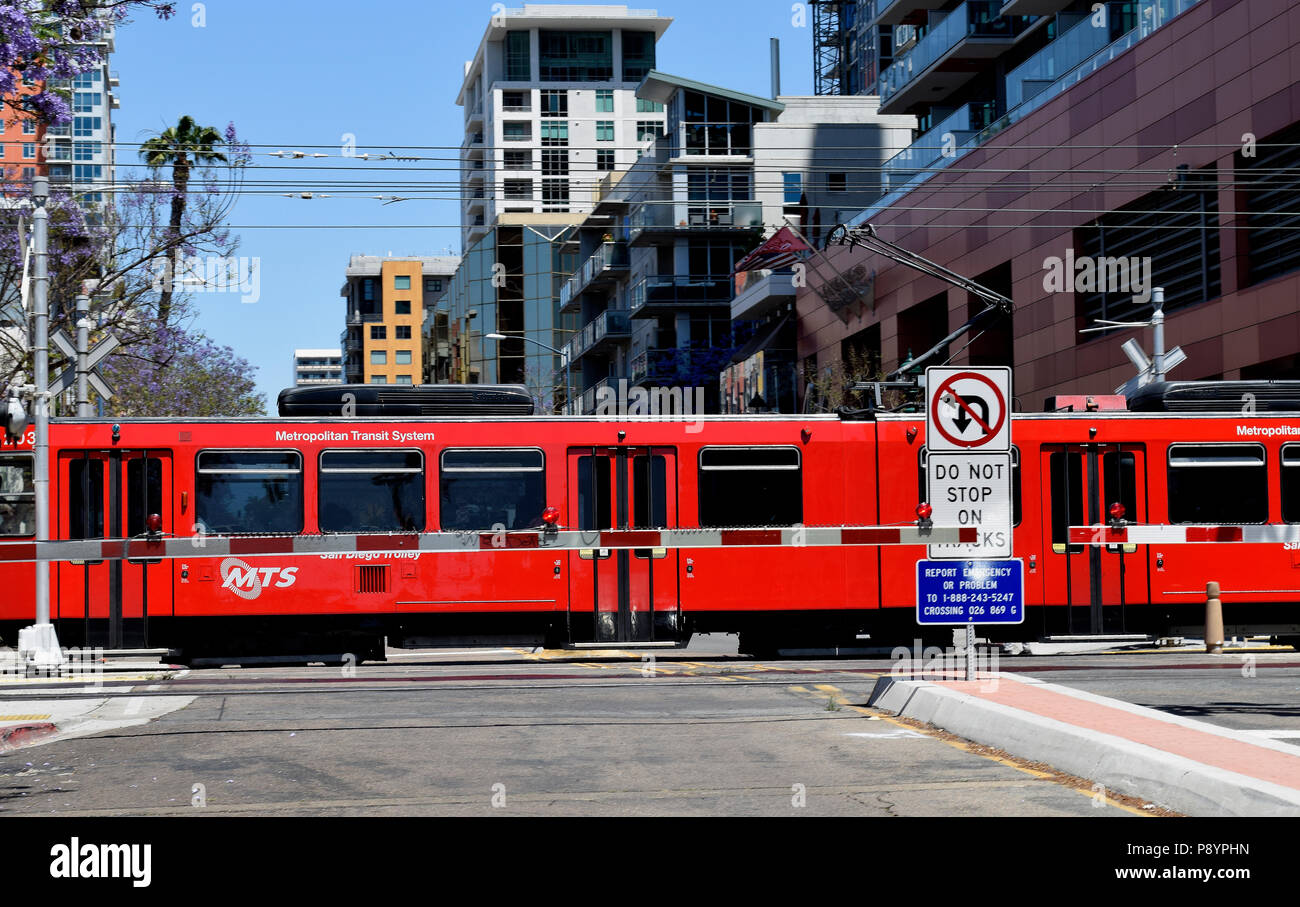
(384, 341)
(550, 110)
(312, 367)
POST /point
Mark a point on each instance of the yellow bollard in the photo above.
(1213, 620)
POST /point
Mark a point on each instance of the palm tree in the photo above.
(186, 145)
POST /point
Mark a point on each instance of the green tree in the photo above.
(183, 146)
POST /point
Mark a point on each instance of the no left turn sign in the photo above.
(968, 409)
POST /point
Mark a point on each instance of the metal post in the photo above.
(83, 351)
(1158, 342)
(970, 651)
(38, 644)
(776, 68)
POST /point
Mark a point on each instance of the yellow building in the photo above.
(387, 300)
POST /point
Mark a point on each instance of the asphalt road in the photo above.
(700, 732)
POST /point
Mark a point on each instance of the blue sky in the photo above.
(295, 73)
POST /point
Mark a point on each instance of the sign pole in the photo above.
(970, 650)
(38, 645)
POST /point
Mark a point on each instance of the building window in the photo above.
(837, 182)
(1237, 474)
(604, 100)
(555, 162)
(519, 67)
(1175, 231)
(648, 129)
(644, 106)
(401, 332)
(402, 307)
(401, 282)
(750, 486)
(555, 102)
(86, 79)
(29, 174)
(371, 490)
(378, 332)
(85, 173)
(517, 130)
(518, 160)
(604, 130)
(604, 160)
(516, 101)
(480, 488)
(519, 190)
(85, 101)
(368, 289)
(793, 187)
(86, 127)
(432, 285)
(404, 379)
(29, 151)
(713, 125)
(555, 132)
(576, 56)
(378, 379)
(1272, 216)
(403, 357)
(378, 357)
(638, 54)
(555, 195)
(86, 151)
(29, 127)
(249, 491)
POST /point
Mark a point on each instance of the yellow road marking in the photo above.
(23, 717)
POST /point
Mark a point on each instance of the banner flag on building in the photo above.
(781, 250)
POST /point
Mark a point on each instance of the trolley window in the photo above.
(249, 491)
(371, 491)
(1066, 476)
(482, 489)
(750, 486)
(143, 493)
(594, 511)
(922, 485)
(1291, 483)
(85, 499)
(1217, 483)
(17, 495)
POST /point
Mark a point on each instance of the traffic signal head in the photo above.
(13, 417)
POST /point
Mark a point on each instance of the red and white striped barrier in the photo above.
(446, 542)
(1182, 535)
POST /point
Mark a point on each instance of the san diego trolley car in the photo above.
(476, 468)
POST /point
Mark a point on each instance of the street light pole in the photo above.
(564, 358)
(38, 644)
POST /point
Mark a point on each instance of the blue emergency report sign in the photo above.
(970, 592)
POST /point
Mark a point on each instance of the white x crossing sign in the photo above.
(96, 355)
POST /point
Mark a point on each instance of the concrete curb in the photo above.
(1121, 765)
(17, 736)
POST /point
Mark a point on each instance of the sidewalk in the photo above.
(86, 698)
(1183, 764)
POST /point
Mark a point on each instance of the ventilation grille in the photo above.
(372, 579)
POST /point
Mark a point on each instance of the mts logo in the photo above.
(248, 582)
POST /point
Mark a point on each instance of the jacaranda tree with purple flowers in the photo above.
(181, 373)
(44, 41)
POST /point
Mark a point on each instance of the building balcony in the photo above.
(662, 366)
(1033, 7)
(928, 149)
(657, 221)
(60, 153)
(1077, 40)
(762, 295)
(472, 147)
(667, 294)
(476, 175)
(474, 116)
(947, 56)
(892, 12)
(604, 331)
(605, 265)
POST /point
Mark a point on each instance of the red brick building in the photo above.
(1177, 141)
